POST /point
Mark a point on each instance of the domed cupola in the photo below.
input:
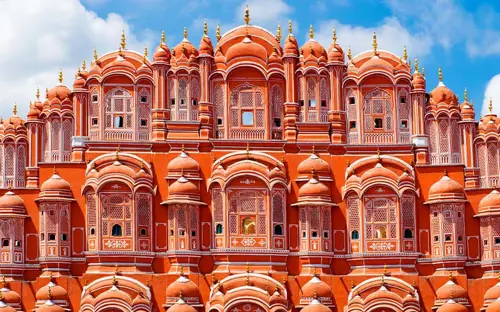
(446, 189)
(162, 52)
(452, 306)
(312, 53)
(4, 307)
(494, 306)
(316, 289)
(14, 125)
(466, 109)
(183, 165)
(321, 168)
(442, 97)
(314, 192)
(247, 48)
(60, 92)
(95, 67)
(184, 50)
(33, 113)
(79, 82)
(145, 68)
(418, 80)
(56, 189)
(52, 292)
(451, 290)
(206, 47)
(9, 296)
(181, 306)
(186, 287)
(492, 295)
(335, 52)
(315, 306)
(490, 204)
(11, 204)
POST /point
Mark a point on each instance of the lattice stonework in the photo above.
(116, 219)
(144, 114)
(247, 111)
(219, 109)
(378, 118)
(119, 115)
(277, 112)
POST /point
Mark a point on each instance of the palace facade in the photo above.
(250, 173)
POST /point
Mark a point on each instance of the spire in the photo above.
(385, 268)
(38, 93)
(290, 28)
(15, 109)
(185, 32)
(49, 292)
(247, 16)
(145, 57)
(349, 54)
(446, 174)
(247, 268)
(84, 65)
(334, 36)
(61, 77)
(416, 67)
(123, 42)
(315, 273)
(181, 269)
(450, 277)
(440, 74)
(117, 157)
(278, 33)
(311, 32)
(466, 95)
(378, 154)
(218, 32)
(4, 283)
(374, 43)
(205, 28)
(315, 294)
(162, 40)
(95, 55)
(405, 54)
(423, 71)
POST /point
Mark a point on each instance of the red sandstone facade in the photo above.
(249, 176)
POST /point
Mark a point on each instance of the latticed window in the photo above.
(279, 204)
(380, 219)
(276, 112)
(184, 103)
(378, 117)
(353, 217)
(144, 114)
(94, 120)
(404, 110)
(219, 108)
(119, 114)
(247, 213)
(444, 141)
(488, 163)
(315, 223)
(116, 211)
(247, 113)
(313, 99)
(352, 117)
(56, 138)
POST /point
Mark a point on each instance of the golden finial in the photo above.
(423, 71)
(334, 37)
(247, 16)
(173, 51)
(383, 279)
(315, 273)
(374, 43)
(61, 77)
(50, 272)
(450, 277)
(183, 48)
(95, 55)
(162, 40)
(84, 65)
(181, 269)
(405, 54)
(78, 72)
(446, 174)
(313, 149)
(247, 268)
(180, 294)
(313, 175)
(466, 95)
(352, 284)
(417, 70)
(490, 106)
(123, 42)
(378, 153)
(205, 28)
(278, 33)
(315, 294)
(49, 292)
(248, 150)
(247, 280)
(213, 278)
(349, 54)
(4, 283)
(217, 32)
(283, 280)
(440, 74)
(116, 264)
(276, 288)
(145, 58)
(38, 93)
(290, 28)
(385, 269)
(15, 109)
(311, 32)
(117, 157)
(185, 32)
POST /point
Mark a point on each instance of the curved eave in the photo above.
(487, 214)
(54, 199)
(445, 200)
(182, 201)
(314, 203)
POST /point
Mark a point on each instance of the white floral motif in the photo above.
(381, 246)
(116, 244)
(248, 241)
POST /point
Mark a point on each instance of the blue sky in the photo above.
(458, 35)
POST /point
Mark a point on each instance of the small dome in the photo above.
(79, 81)
(275, 58)
(315, 287)
(376, 62)
(10, 296)
(11, 203)
(181, 306)
(183, 163)
(494, 306)
(313, 49)
(33, 113)
(162, 52)
(493, 293)
(450, 290)
(490, 202)
(316, 306)
(291, 46)
(314, 188)
(443, 97)
(379, 171)
(418, 81)
(60, 92)
(55, 183)
(184, 286)
(446, 188)
(320, 166)
(335, 53)
(206, 46)
(183, 187)
(120, 62)
(56, 292)
(49, 306)
(185, 48)
(6, 308)
(452, 306)
(246, 49)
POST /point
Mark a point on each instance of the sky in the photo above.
(38, 38)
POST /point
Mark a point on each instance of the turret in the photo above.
(206, 109)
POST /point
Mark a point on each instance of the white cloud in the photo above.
(41, 36)
(492, 91)
(391, 36)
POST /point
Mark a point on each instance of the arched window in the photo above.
(247, 113)
(355, 234)
(116, 230)
(380, 217)
(352, 117)
(248, 226)
(195, 97)
(67, 134)
(218, 229)
(219, 107)
(55, 139)
(378, 117)
(144, 114)
(408, 233)
(381, 232)
(277, 112)
(9, 165)
(324, 94)
(312, 105)
(182, 104)
(119, 115)
(404, 110)
(21, 165)
(278, 229)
